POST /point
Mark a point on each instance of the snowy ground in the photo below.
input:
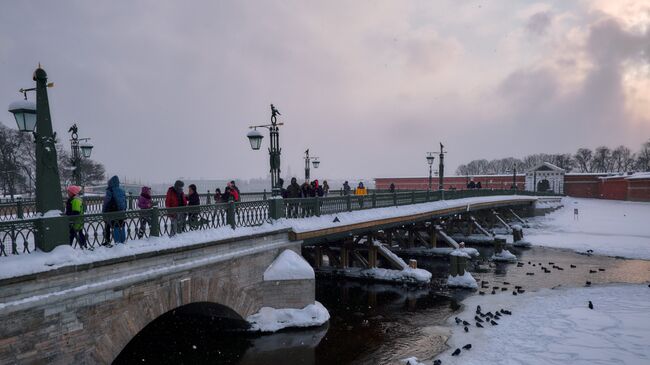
(608, 227)
(557, 327)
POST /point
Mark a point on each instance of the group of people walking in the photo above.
(115, 201)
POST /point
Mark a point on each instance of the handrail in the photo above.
(19, 236)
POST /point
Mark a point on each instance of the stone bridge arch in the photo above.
(88, 313)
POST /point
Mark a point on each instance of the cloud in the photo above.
(539, 23)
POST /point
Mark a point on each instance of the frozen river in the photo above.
(375, 324)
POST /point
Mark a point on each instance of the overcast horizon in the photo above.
(168, 89)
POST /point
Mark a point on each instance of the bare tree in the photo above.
(643, 157)
(583, 158)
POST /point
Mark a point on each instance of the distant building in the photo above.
(545, 177)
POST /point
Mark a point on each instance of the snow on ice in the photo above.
(462, 281)
(608, 227)
(406, 274)
(289, 266)
(557, 327)
(271, 320)
(504, 255)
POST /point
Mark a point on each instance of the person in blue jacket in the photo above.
(114, 201)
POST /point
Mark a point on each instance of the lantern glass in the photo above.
(86, 150)
(255, 138)
(315, 163)
(25, 113)
(430, 159)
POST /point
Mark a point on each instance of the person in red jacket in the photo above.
(176, 198)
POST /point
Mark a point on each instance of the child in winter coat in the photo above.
(144, 202)
(74, 207)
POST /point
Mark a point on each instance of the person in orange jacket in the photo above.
(361, 190)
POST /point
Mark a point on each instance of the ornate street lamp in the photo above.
(25, 113)
(49, 232)
(255, 138)
(38, 120)
(78, 151)
(430, 158)
(314, 161)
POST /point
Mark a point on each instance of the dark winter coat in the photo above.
(193, 199)
(115, 198)
(346, 188)
(294, 190)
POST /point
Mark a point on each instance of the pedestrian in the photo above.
(176, 198)
(306, 189)
(114, 201)
(193, 199)
(144, 202)
(326, 188)
(471, 185)
(218, 198)
(318, 189)
(234, 187)
(283, 191)
(391, 188)
(478, 185)
(226, 194)
(74, 207)
(294, 190)
(361, 190)
(346, 188)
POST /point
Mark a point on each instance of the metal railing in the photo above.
(18, 236)
(25, 209)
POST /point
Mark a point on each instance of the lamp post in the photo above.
(514, 176)
(255, 139)
(430, 158)
(35, 117)
(441, 170)
(314, 161)
(78, 151)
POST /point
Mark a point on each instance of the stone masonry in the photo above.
(87, 314)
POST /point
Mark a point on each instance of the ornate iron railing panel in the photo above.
(17, 237)
(254, 213)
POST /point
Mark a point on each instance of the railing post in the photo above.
(276, 208)
(154, 225)
(394, 198)
(19, 208)
(374, 200)
(317, 206)
(207, 198)
(52, 232)
(413, 197)
(130, 200)
(264, 195)
(348, 202)
(230, 214)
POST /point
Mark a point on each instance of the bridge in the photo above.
(77, 305)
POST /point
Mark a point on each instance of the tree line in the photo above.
(18, 164)
(600, 160)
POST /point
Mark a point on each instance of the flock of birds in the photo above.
(518, 289)
(482, 319)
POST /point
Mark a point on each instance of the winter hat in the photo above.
(179, 184)
(74, 190)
